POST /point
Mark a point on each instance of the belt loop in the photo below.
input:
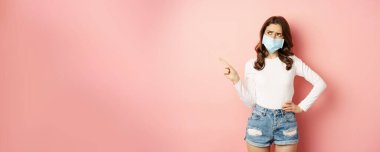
(265, 111)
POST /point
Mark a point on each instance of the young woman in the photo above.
(267, 88)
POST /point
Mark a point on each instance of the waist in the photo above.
(268, 110)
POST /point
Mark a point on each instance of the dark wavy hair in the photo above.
(283, 52)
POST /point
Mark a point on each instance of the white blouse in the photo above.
(273, 85)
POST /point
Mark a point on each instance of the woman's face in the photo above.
(274, 31)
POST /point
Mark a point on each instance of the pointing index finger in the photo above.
(224, 62)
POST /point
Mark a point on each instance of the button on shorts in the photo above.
(266, 126)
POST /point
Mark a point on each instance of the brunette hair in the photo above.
(284, 52)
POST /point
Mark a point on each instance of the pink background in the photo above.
(136, 76)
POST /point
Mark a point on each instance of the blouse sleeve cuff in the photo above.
(237, 84)
(303, 107)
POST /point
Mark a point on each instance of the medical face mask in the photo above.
(271, 44)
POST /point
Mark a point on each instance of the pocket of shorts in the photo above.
(290, 117)
(257, 115)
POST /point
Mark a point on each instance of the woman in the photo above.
(268, 89)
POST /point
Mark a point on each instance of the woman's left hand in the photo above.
(289, 106)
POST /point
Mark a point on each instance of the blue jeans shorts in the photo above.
(266, 126)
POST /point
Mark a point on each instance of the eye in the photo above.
(279, 35)
(269, 32)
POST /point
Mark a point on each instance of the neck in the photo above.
(272, 55)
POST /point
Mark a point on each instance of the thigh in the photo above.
(286, 148)
(259, 131)
(252, 148)
(286, 132)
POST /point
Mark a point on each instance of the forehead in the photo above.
(274, 27)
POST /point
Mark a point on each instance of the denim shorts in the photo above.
(266, 126)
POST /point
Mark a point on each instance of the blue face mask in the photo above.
(271, 44)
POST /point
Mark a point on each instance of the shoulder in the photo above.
(250, 63)
(296, 59)
(250, 60)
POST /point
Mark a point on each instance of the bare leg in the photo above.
(252, 148)
(286, 148)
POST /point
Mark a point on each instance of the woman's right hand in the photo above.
(230, 72)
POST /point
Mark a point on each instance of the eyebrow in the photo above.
(272, 31)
